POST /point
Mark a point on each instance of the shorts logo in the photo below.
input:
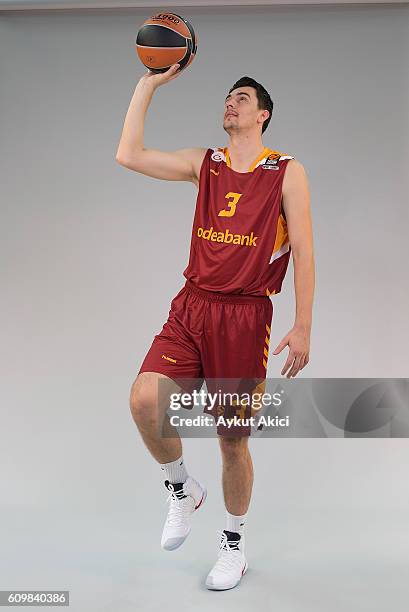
(214, 172)
(168, 358)
(227, 237)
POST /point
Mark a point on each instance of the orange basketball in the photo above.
(165, 39)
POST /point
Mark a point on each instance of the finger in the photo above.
(280, 347)
(301, 364)
(288, 369)
(170, 71)
(304, 361)
(296, 366)
(288, 363)
(174, 72)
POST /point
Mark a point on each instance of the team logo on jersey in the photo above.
(218, 156)
(271, 162)
(273, 156)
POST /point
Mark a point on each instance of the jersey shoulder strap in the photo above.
(278, 155)
(218, 154)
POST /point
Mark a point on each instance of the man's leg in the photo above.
(149, 411)
(237, 486)
(234, 358)
(149, 414)
(237, 476)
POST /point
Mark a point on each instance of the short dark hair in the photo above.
(263, 97)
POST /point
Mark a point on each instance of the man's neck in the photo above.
(242, 153)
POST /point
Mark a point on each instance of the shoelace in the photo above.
(227, 560)
(180, 507)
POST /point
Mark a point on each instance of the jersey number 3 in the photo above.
(232, 198)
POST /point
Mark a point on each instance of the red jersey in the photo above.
(239, 238)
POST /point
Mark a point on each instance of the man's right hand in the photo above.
(159, 78)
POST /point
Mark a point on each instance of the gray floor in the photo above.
(299, 561)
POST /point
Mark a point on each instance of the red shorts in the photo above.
(210, 335)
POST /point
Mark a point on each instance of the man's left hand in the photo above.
(298, 340)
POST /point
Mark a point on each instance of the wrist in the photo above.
(304, 326)
(147, 84)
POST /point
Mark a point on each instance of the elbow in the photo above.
(120, 156)
(125, 159)
(122, 160)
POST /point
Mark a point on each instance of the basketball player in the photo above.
(252, 204)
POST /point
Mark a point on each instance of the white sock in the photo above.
(175, 471)
(235, 523)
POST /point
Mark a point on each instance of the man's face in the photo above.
(241, 110)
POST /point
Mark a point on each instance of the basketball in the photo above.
(165, 39)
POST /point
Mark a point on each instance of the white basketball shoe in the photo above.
(185, 498)
(231, 564)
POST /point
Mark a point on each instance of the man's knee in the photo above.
(233, 448)
(143, 401)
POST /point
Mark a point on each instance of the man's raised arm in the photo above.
(180, 165)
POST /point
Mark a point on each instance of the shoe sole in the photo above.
(230, 586)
